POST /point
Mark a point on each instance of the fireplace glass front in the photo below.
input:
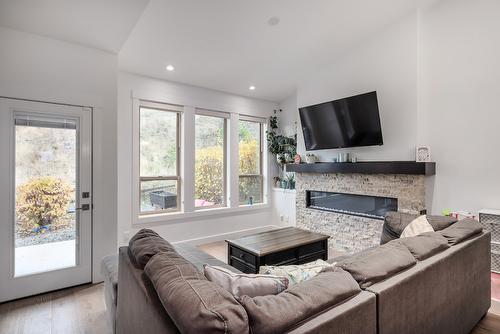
(358, 205)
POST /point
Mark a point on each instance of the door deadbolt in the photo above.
(85, 207)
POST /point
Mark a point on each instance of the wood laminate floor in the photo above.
(79, 310)
(82, 310)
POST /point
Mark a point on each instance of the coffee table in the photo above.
(283, 246)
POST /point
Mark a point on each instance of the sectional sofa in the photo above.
(434, 283)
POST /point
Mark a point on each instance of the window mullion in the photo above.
(234, 162)
(188, 159)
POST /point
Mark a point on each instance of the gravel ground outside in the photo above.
(68, 233)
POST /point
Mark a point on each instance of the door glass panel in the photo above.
(45, 194)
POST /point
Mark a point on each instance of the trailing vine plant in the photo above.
(282, 147)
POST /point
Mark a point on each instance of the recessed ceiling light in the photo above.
(251, 87)
(170, 68)
(273, 21)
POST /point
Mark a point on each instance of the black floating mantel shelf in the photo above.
(366, 167)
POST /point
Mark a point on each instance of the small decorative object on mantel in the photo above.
(344, 157)
(311, 158)
(422, 154)
(277, 181)
(297, 159)
(290, 180)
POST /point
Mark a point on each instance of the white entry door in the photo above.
(45, 197)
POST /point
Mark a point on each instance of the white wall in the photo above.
(288, 116)
(39, 68)
(437, 76)
(284, 207)
(460, 113)
(385, 63)
(163, 91)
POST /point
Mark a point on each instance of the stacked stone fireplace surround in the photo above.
(351, 233)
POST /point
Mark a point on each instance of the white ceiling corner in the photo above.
(226, 45)
(100, 24)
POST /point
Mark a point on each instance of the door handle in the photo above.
(85, 207)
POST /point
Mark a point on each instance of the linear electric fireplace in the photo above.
(358, 205)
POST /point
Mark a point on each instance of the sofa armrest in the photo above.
(139, 309)
(446, 293)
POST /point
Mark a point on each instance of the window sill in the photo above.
(177, 217)
(285, 191)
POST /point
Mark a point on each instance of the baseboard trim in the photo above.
(228, 235)
(495, 307)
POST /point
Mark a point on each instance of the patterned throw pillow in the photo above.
(245, 284)
(296, 273)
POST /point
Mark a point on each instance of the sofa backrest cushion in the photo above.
(145, 244)
(281, 312)
(439, 223)
(462, 230)
(395, 223)
(376, 264)
(195, 304)
(425, 245)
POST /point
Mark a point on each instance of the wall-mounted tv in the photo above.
(349, 122)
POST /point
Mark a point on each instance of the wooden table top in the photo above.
(268, 242)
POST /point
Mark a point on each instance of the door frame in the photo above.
(74, 275)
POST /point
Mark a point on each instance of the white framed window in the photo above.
(158, 155)
(251, 161)
(190, 162)
(210, 159)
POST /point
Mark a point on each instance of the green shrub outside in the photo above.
(42, 202)
(209, 175)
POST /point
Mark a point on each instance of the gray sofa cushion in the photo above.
(440, 222)
(395, 223)
(376, 264)
(278, 313)
(195, 304)
(461, 230)
(146, 243)
(424, 245)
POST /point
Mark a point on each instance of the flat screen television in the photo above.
(349, 122)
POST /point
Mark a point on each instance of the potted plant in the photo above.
(290, 179)
(277, 181)
(282, 147)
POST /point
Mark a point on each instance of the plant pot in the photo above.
(284, 184)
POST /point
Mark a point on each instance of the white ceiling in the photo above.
(226, 45)
(101, 24)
